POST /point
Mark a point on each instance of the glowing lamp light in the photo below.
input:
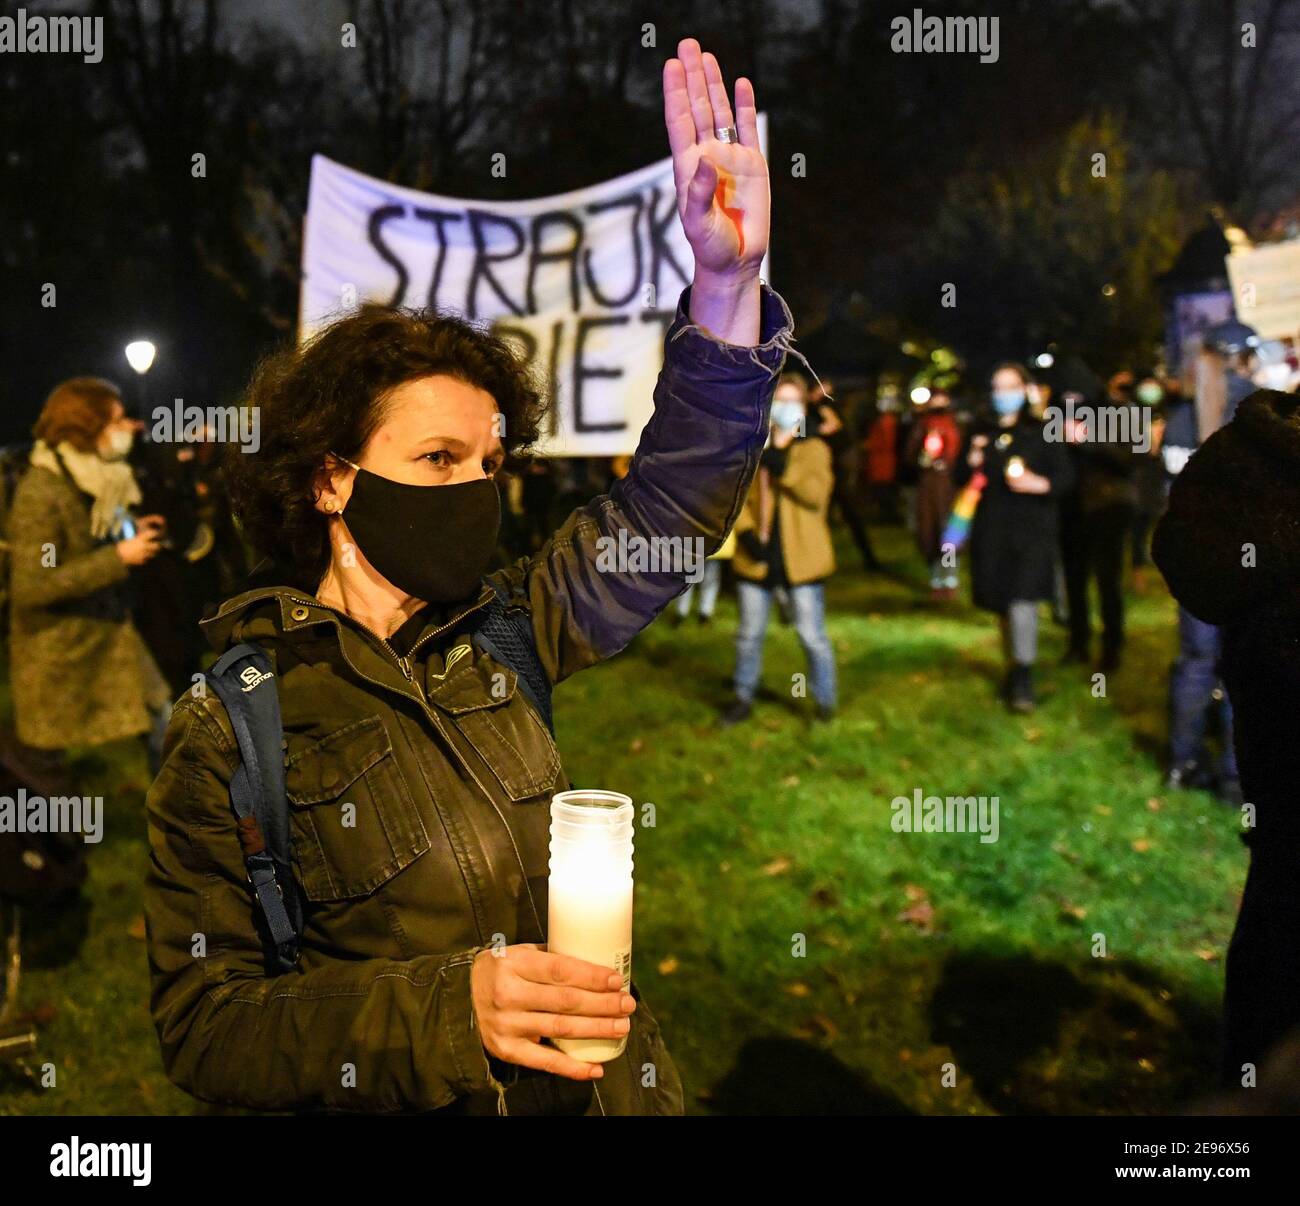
(1015, 467)
(1045, 360)
(933, 444)
(140, 355)
(920, 395)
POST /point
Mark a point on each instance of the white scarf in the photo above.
(111, 484)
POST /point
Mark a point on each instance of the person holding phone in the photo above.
(80, 672)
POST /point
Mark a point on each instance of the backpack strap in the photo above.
(505, 632)
(244, 680)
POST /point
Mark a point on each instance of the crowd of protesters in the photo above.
(118, 545)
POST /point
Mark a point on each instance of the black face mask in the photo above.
(434, 542)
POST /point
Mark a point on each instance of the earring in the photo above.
(330, 504)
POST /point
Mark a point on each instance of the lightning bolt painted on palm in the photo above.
(735, 215)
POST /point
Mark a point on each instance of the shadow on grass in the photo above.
(786, 1076)
(1039, 1037)
(53, 934)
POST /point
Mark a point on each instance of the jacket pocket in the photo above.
(485, 704)
(355, 825)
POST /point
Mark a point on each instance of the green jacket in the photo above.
(450, 772)
(80, 672)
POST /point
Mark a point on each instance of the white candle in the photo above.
(590, 910)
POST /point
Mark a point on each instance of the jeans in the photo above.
(1191, 691)
(709, 586)
(809, 603)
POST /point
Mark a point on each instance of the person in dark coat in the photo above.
(933, 447)
(1097, 515)
(1229, 548)
(1195, 689)
(827, 419)
(1014, 532)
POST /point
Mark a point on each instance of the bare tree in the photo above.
(1226, 70)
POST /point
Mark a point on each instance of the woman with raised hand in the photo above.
(419, 768)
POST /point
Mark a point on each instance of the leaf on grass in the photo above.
(790, 781)
(797, 988)
(1078, 912)
(920, 912)
(1103, 810)
(668, 965)
(920, 915)
(636, 746)
(778, 866)
(1208, 954)
(1141, 845)
(1154, 803)
(826, 1026)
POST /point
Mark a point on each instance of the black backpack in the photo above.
(244, 680)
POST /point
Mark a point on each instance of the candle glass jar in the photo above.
(589, 915)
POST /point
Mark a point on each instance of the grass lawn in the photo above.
(800, 954)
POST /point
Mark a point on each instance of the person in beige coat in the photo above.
(783, 539)
(80, 673)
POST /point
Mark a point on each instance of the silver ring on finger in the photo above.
(726, 134)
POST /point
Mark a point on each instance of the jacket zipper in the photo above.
(404, 663)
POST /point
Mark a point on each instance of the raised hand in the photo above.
(723, 197)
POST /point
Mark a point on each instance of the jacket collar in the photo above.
(274, 612)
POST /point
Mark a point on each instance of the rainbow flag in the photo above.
(963, 511)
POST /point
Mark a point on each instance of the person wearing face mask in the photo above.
(783, 541)
(80, 672)
(419, 764)
(1013, 541)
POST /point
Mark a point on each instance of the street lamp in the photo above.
(140, 355)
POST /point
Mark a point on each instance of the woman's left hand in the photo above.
(723, 196)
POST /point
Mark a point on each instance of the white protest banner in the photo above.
(584, 283)
(1266, 287)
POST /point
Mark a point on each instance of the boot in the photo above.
(739, 711)
(1021, 689)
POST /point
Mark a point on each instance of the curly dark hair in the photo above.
(328, 395)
